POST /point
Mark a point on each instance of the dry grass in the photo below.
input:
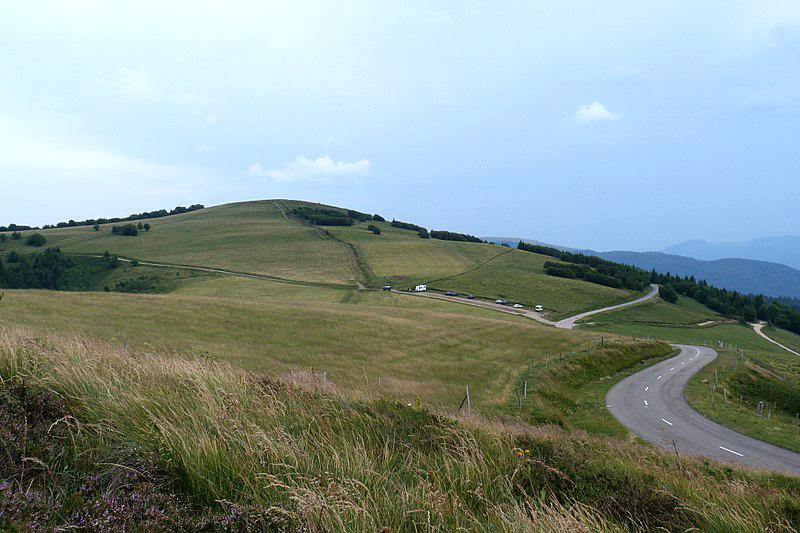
(296, 456)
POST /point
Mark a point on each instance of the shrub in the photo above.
(374, 229)
(407, 225)
(139, 226)
(424, 233)
(452, 236)
(3, 237)
(96, 227)
(12, 257)
(16, 235)
(126, 229)
(146, 226)
(37, 239)
(378, 218)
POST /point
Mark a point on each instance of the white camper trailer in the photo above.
(420, 288)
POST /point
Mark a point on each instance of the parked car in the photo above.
(518, 306)
(387, 287)
(501, 302)
(420, 288)
(451, 293)
(538, 308)
(470, 296)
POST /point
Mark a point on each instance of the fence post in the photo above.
(469, 401)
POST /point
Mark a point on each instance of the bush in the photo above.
(3, 237)
(126, 229)
(374, 229)
(12, 257)
(424, 233)
(37, 239)
(146, 226)
(139, 226)
(96, 227)
(668, 293)
(378, 218)
(16, 235)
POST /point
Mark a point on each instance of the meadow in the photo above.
(161, 442)
(392, 344)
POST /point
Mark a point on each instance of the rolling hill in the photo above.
(783, 250)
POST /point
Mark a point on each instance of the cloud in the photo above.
(204, 148)
(191, 99)
(321, 169)
(594, 111)
(134, 83)
(212, 119)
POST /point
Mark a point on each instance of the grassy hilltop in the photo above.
(261, 238)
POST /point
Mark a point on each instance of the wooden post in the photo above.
(526, 388)
(469, 401)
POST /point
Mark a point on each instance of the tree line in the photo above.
(732, 304)
(97, 221)
(453, 236)
(331, 216)
(597, 270)
(744, 307)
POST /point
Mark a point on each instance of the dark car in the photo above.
(387, 287)
(471, 296)
(451, 293)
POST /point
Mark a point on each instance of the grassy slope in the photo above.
(155, 443)
(255, 237)
(400, 258)
(787, 338)
(390, 344)
(244, 237)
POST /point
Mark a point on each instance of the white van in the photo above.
(538, 308)
(420, 288)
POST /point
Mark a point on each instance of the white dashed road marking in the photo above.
(645, 403)
(667, 421)
(728, 450)
(659, 377)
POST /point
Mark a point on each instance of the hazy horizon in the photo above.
(602, 125)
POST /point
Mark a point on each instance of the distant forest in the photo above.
(746, 308)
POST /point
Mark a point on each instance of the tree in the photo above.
(139, 226)
(378, 218)
(668, 294)
(374, 229)
(37, 239)
(146, 226)
(96, 227)
(424, 233)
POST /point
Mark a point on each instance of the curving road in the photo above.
(569, 323)
(651, 403)
(759, 327)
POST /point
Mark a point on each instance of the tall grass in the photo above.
(295, 455)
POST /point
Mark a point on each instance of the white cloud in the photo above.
(191, 99)
(134, 83)
(212, 119)
(321, 169)
(594, 111)
(436, 16)
(255, 170)
(204, 148)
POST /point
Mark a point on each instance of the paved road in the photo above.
(651, 403)
(759, 327)
(569, 323)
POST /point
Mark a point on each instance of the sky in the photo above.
(593, 124)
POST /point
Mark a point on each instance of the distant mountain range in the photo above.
(784, 250)
(739, 274)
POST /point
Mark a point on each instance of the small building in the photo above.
(420, 288)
